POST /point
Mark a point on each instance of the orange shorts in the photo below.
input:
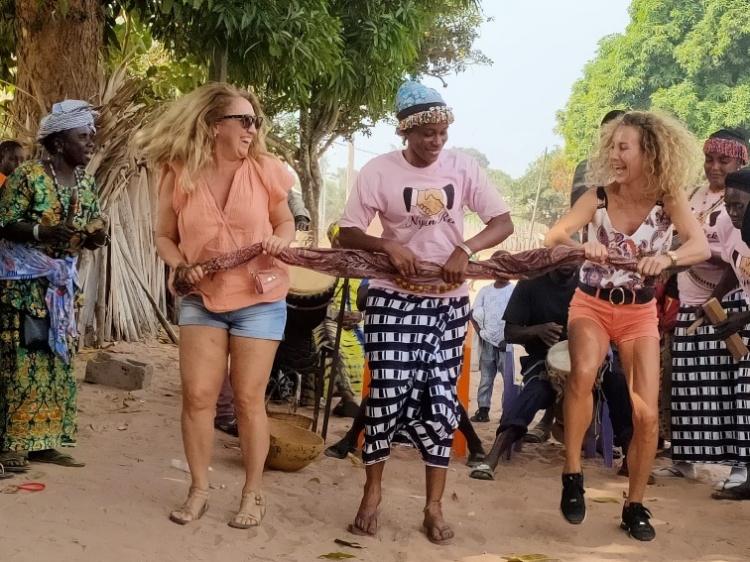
(622, 323)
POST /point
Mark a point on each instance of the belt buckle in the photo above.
(612, 292)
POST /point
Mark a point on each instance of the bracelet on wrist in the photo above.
(35, 232)
(466, 249)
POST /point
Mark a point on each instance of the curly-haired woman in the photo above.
(642, 163)
(222, 190)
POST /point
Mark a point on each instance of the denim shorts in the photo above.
(265, 321)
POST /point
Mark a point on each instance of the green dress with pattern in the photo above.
(37, 388)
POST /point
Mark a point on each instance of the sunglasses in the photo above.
(246, 121)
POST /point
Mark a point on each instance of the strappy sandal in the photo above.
(536, 435)
(482, 472)
(14, 462)
(192, 509)
(252, 508)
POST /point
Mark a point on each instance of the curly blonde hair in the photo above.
(672, 154)
(182, 133)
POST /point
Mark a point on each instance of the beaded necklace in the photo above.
(73, 205)
(701, 216)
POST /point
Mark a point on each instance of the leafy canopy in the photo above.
(685, 56)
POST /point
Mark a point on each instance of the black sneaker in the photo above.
(635, 521)
(482, 415)
(572, 505)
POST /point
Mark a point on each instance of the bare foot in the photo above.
(366, 521)
(436, 529)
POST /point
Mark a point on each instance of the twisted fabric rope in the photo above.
(359, 264)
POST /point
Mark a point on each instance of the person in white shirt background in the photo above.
(487, 319)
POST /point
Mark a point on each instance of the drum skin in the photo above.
(310, 293)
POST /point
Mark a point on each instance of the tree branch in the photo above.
(331, 139)
(286, 148)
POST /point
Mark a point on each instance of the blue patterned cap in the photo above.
(413, 97)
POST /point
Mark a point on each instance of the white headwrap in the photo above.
(66, 115)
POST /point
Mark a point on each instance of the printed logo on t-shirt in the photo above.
(429, 206)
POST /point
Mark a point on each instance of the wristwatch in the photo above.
(673, 256)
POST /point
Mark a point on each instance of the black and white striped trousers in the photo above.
(414, 347)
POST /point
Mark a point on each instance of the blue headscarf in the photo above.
(66, 115)
(416, 104)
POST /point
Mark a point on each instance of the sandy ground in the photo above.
(116, 507)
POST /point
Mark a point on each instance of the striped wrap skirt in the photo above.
(710, 393)
(414, 348)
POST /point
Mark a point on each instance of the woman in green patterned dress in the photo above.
(50, 205)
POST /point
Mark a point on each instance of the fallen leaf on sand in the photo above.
(347, 543)
(122, 427)
(315, 480)
(454, 497)
(356, 461)
(605, 499)
(336, 556)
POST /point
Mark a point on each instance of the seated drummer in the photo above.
(536, 317)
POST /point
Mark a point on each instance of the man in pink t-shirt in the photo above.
(415, 326)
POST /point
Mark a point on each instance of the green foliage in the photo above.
(521, 192)
(166, 74)
(477, 155)
(281, 46)
(448, 45)
(685, 56)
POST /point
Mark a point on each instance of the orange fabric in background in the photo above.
(462, 389)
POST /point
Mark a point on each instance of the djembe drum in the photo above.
(558, 369)
(307, 302)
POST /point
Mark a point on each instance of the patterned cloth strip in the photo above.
(19, 262)
(359, 264)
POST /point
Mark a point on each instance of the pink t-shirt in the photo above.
(735, 252)
(422, 208)
(697, 283)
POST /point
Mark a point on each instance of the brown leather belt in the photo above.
(618, 295)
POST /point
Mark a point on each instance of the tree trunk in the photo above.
(217, 69)
(308, 171)
(58, 55)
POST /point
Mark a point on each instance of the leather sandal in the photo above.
(251, 513)
(193, 508)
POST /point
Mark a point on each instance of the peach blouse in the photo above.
(206, 231)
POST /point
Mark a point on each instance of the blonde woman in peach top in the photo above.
(221, 190)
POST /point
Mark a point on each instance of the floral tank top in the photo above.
(653, 238)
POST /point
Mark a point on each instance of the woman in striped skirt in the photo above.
(731, 418)
(415, 327)
(703, 371)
